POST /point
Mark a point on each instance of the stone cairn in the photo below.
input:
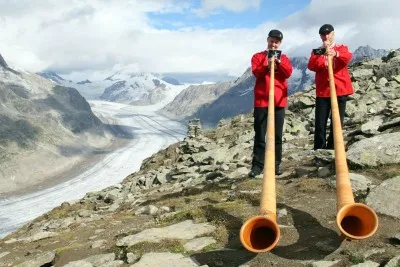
(194, 128)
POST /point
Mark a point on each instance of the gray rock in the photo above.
(362, 74)
(385, 198)
(382, 82)
(211, 157)
(160, 260)
(164, 209)
(183, 230)
(79, 263)
(239, 172)
(132, 258)
(325, 245)
(303, 101)
(162, 177)
(324, 263)
(224, 167)
(395, 262)
(149, 210)
(198, 243)
(113, 264)
(374, 251)
(39, 236)
(282, 213)
(42, 259)
(98, 243)
(93, 237)
(113, 196)
(114, 206)
(325, 155)
(366, 264)
(324, 172)
(98, 260)
(305, 171)
(372, 126)
(378, 150)
(3, 254)
(396, 78)
(85, 213)
(397, 236)
(359, 182)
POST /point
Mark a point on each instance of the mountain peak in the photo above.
(3, 63)
(51, 75)
(367, 52)
(84, 82)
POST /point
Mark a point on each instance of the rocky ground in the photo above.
(186, 205)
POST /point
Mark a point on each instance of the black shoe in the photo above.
(278, 171)
(255, 171)
(318, 163)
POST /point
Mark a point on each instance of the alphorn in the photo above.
(261, 233)
(354, 220)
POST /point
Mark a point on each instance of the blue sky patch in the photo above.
(222, 19)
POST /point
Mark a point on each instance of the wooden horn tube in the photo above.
(355, 220)
(261, 233)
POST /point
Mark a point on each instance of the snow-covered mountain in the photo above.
(367, 53)
(51, 75)
(45, 129)
(125, 87)
(301, 77)
(226, 99)
(138, 88)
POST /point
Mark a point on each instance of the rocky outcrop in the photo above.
(194, 97)
(384, 198)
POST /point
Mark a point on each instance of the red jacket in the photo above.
(283, 70)
(319, 64)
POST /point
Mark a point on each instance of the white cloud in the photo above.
(91, 37)
(356, 22)
(209, 6)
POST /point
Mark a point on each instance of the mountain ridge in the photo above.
(46, 129)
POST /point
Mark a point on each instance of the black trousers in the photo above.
(260, 129)
(322, 112)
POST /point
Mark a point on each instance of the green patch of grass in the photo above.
(381, 172)
(195, 214)
(210, 247)
(230, 204)
(61, 250)
(249, 184)
(356, 258)
(120, 252)
(312, 185)
(165, 245)
(221, 234)
(58, 212)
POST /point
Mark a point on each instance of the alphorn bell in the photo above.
(261, 233)
(355, 220)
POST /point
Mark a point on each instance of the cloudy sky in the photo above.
(89, 38)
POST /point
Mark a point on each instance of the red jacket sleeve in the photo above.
(285, 66)
(257, 65)
(343, 58)
(316, 63)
